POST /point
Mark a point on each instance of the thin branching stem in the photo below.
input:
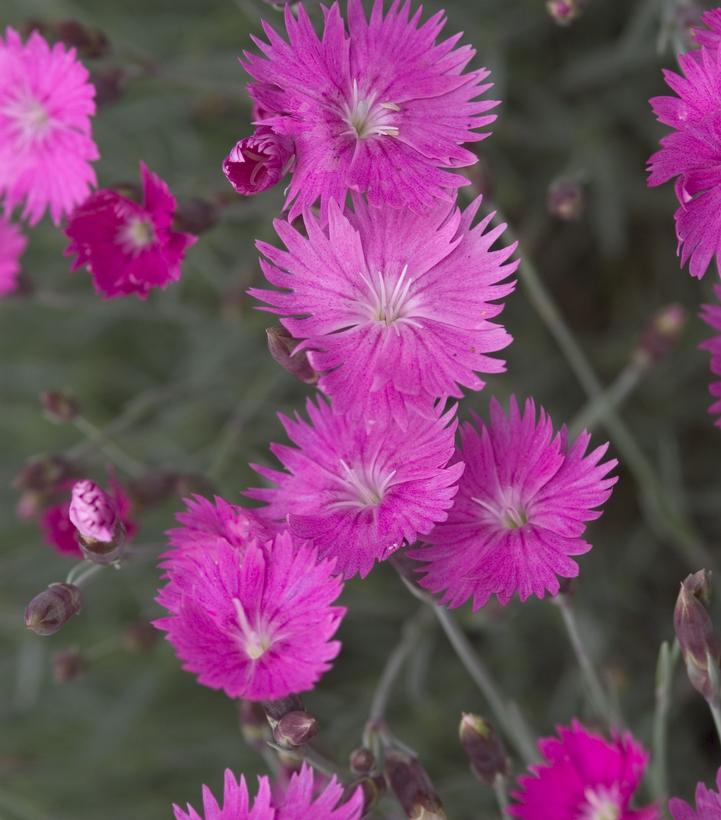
(500, 789)
(667, 660)
(119, 457)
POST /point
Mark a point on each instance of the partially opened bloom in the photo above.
(691, 154)
(522, 507)
(711, 314)
(93, 512)
(394, 309)
(360, 491)
(583, 776)
(126, 246)
(258, 162)
(708, 804)
(46, 144)
(302, 800)
(257, 622)
(12, 245)
(382, 108)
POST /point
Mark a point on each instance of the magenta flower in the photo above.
(258, 162)
(12, 245)
(708, 804)
(709, 37)
(583, 777)
(382, 108)
(692, 154)
(256, 623)
(711, 314)
(360, 491)
(46, 143)
(127, 247)
(303, 800)
(393, 308)
(521, 509)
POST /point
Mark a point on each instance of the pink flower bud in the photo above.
(564, 12)
(53, 607)
(93, 513)
(258, 162)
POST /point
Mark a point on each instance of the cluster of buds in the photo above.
(564, 12)
(283, 348)
(661, 334)
(52, 608)
(100, 532)
(484, 749)
(696, 637)
(291, 725)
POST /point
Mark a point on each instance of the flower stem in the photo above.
(667, 660)
(601, 702)
(82, 572)
(611, 398)
(119, 457)
(500, 788)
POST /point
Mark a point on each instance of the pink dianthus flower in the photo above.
(382, 108)
(257, 622)
(46, 144)
(128, 247)
(360, 491)
(583, 777)
(12, 245)
(708, 804)
(692, 154)
(522, 506)
(710, 36)
(711, 314)
(301, 801)
(394, 309)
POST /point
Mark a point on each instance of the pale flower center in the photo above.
(602, 803)
(390, 303)
(508, 508)
(365, 117)
(136, 235)
(30, 116)
(362, 487)
(256, 641)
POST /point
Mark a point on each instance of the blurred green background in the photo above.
(186, 384)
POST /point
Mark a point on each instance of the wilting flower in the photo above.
(302, 800)
(257, 622)
(711, 314)
(258, 162)
(522, 507)
(359, 491)
(12, 245)
(382, 108)
(46, 144)
(128, 247)
(393, 308)
(690, 153)
(708, 804)
(583, 777)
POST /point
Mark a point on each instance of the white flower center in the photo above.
(255, 641)
(508, 508)
(362, 487)
(365, 117)
(390, 304)
(30, 116)
(136, 235)
(602, 803)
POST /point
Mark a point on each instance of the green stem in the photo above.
(667, 660)
(500, 788)
(82, 572)
(612, 397)
(312, 757)
(119, 457)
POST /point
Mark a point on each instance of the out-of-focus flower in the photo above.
(91, 43)
(128, 248)
(564, 12)
(12, 245)
(52, 608)
(390, 132)
(566, 200)
(583, 777)
(59, 405)
(522, 507)
(359, 491)
(711, 314)
(58, 530)
(258, 162)
(257, 622)
(302, 800)
(661, 334)
(68, 664)
(46, 144)
(394, 308)
(708, 804)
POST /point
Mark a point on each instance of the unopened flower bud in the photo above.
(195, 216)
(89, 42)
(68, 664)
(695, 634)
(661, 334)
(282, 346)
(295, 729)
(59, 406)
(276, 709)
(93, 513)
(362, 760)
(253, 724)
(43, 475)
(152, 488)
(139, 637)
(109, 85)
(413, 788)
(258, 162)
(484, 749)
(566, 199)
(53, 607)
(564, 12)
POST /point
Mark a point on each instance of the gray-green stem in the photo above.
(667, 660)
